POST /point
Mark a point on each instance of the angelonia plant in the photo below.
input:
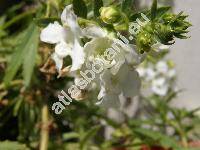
(96, 53)
(103, 52)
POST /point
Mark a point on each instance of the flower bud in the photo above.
(110, 15)
(164, 33)
(171, 64)
(168, 17)
(144, 41)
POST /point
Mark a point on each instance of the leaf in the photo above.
(161, 11)
(97, 5)
(156, 137)
(8, 145)
(26, 48)
(70, 135)
(88, 135)
(154, 10)
(126, 4)
(80, 8)
(29, 60)
(17, 106)
(43, 22)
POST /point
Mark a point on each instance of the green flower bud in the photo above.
(171, 64)
(168, 17)
(176, 21)
(164, 33)
(144, 41)
(110, 15)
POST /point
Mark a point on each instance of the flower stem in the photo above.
(44, 130)
(48, 9)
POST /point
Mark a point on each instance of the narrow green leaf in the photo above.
(80, 8)
(31, 52)
(70, 135)
(97, 5)
(88, 135)
(158, 137)
(161, 11)
(153, 10)
(21, 53)
(17, 106)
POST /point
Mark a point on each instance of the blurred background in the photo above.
(186, 53)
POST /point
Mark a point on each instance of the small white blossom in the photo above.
(162, 67)
(159, 77)
(160, 87)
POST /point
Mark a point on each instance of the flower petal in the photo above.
(108, 99)
(63, 49)
(69, 19)
(58, 61)
(53, 33)
(94, 32)
(78, 56)
(160, 87)
(129, 81)
(97, 46)
(162, 67)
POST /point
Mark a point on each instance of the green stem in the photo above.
(181, 132)
(48, 9)
(44, 130)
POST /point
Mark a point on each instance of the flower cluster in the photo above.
(158, 77)
(118, 76)
(163, 30)
(102, 57)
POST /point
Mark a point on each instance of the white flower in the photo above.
(66, 39)
(162, 67)
(112, 52)
(126, 82)
(160, 87)
(150, 74)
(171, 73)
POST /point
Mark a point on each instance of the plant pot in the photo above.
(119, 148)
(144, 147)
(194, 144)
